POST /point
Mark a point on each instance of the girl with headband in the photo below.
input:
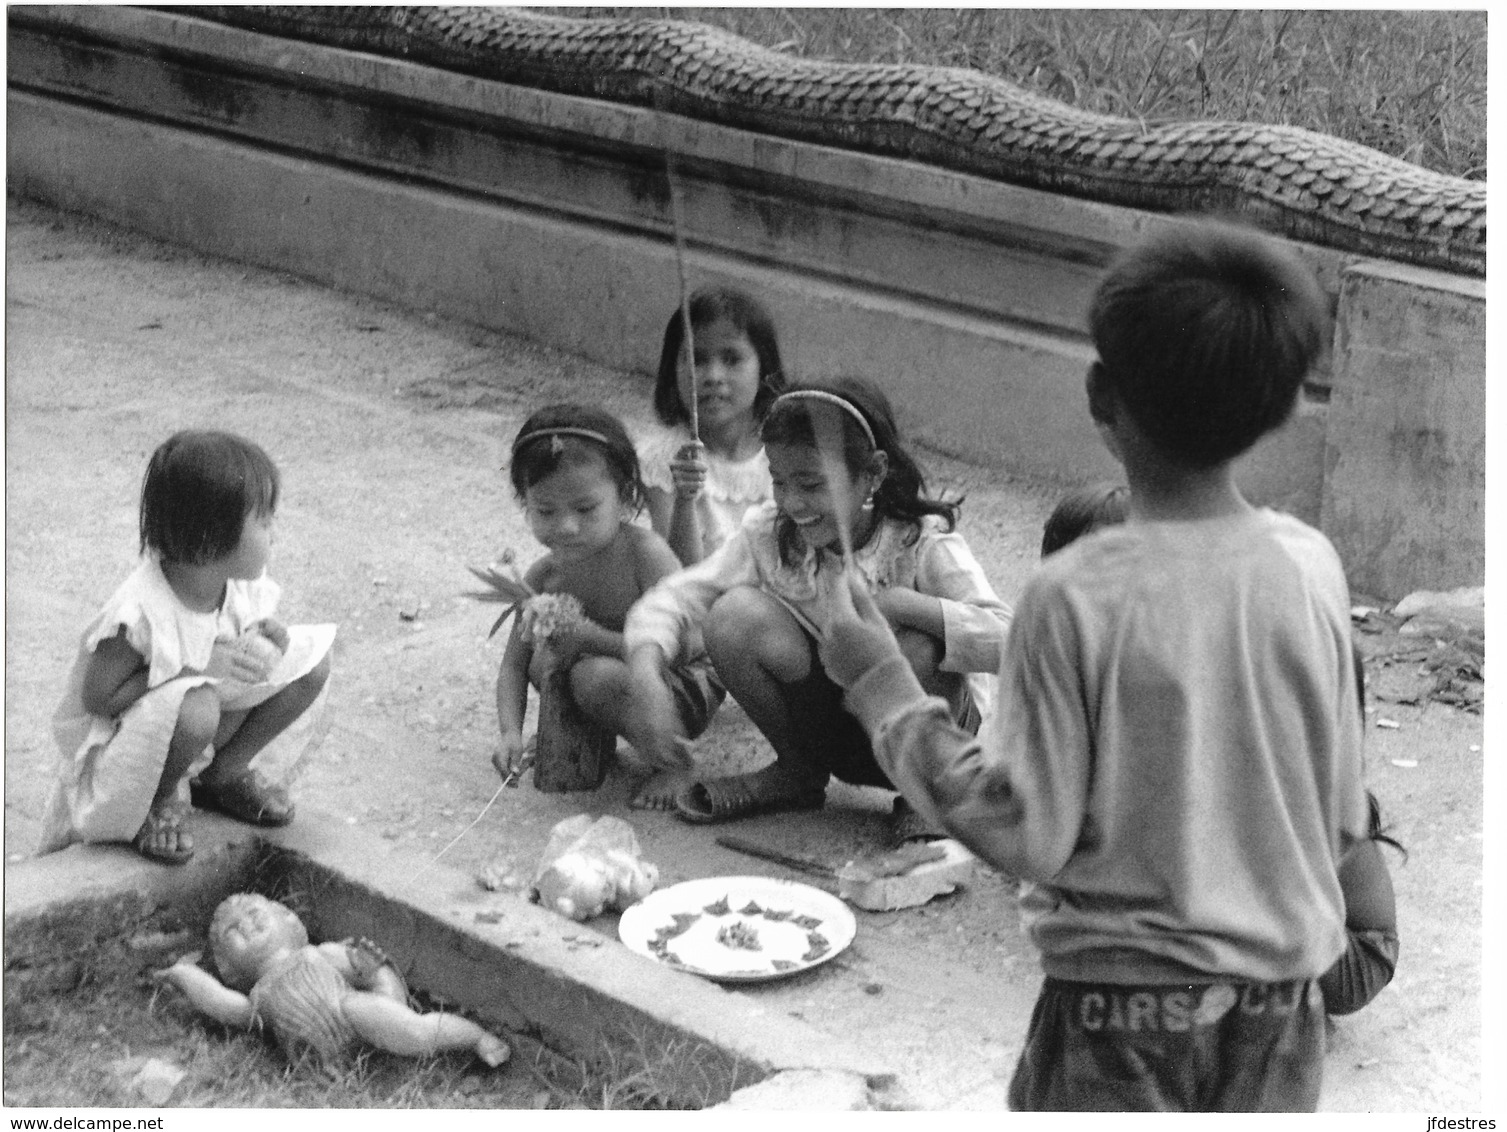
(575, 471)
(847, 496)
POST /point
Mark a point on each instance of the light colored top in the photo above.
(731, 488)
(1174, 762)
(169, 635)
(932, 562)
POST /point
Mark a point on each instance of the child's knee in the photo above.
(318, 676)
(745, 623)
(598, 680)
(198, 716)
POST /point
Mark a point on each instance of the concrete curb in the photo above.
(510, 963)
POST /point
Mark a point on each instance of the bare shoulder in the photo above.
(651, 554)
(543, 575)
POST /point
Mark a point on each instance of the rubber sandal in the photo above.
(768, 790)
(163, 817)
(907, 825)
(251, 798)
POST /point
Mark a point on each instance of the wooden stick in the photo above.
(763, 852)
(687, 340)
(828, 432)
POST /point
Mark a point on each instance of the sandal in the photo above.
(907, 825)
(251, 798)
(768, 790)
(162, 837)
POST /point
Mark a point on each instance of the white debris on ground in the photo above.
(1429, 647)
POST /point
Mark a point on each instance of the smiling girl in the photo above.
(760, 603)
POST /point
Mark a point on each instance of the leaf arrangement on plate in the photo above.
(741, 935)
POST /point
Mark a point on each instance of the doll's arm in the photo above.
(115, 678)
(366, 967)
(207, 994)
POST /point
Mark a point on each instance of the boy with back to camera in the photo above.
(1175, 761)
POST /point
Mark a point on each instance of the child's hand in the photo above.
(230, 660)
(563, 647)
(858, 635)
(514, 755)
(688, 470)
(653, 723)
(275, 631)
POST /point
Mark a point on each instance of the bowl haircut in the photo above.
(1205, 333)
(199, 487)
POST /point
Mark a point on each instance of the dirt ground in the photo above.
(390, 427)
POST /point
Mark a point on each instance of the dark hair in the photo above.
(1083, 510)
(1205, 333)
(1374, 828)
(708, 305)
(551, 439)
(198, 489)
(901, 495)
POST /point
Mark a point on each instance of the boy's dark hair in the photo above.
(1204, 334)
(707, 306)
(1083, 510)
(901, 495)
(560, 435)
(198, 489)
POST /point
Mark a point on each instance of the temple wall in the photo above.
(549, 216)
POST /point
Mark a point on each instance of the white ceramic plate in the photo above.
(738, 929)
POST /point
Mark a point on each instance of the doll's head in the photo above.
(209, 496)
(247, 933)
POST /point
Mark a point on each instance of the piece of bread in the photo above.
(906, 877)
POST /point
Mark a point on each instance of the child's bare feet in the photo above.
(660, 790)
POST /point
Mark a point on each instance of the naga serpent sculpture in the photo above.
(1298, 183)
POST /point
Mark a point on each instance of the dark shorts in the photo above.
(698, 694)
(1218, 1047)
(834, 739)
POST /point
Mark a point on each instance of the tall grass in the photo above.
(1408, 83)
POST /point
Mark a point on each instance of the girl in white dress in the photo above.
(185, 671)
(698, 492)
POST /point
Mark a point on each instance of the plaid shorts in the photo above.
(698, 694)
(1215, 1047)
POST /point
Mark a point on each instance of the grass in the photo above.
(1408, 83)
(76, 1032)
(78, 1045)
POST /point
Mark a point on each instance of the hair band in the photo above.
(555, 432)
(832, 399)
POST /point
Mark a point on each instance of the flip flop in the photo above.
(251, 798)
(768, 790)
(164, 817)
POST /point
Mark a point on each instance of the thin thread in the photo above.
(458, 836)
(687, 340)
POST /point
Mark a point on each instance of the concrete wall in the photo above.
(549, 216)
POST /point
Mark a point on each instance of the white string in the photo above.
(461, 834)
